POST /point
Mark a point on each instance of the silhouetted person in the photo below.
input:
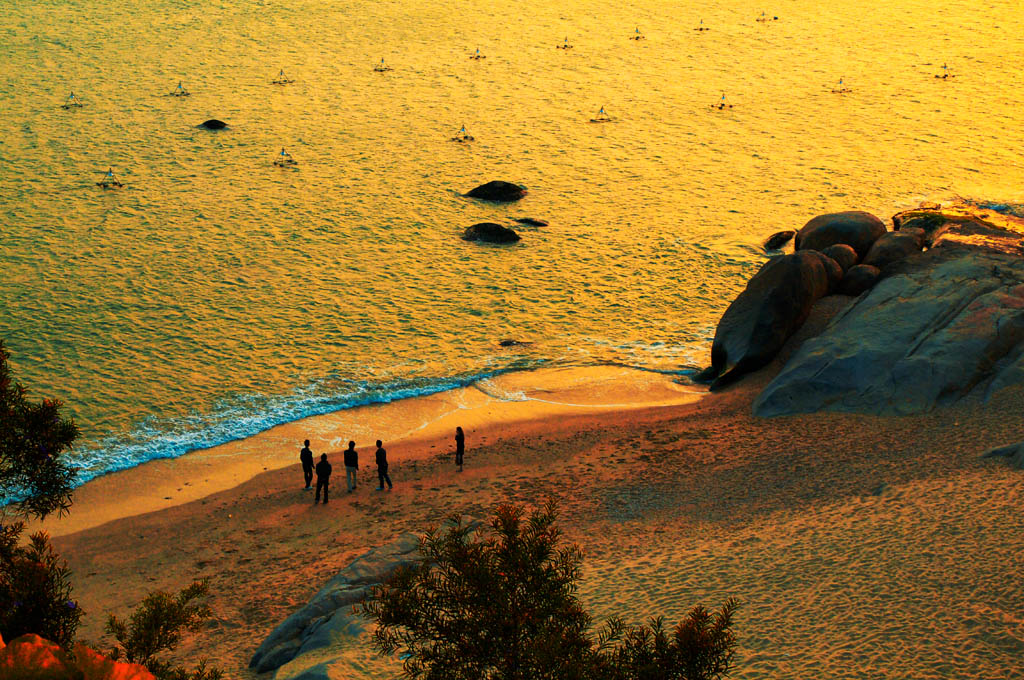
(323, 478)
(306, 458)
(382, 467)
(351, 465)
(460, 446)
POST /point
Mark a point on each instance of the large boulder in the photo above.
(778, 239)
(213, 124)
(490, 232)
(843, 254)
(498, 191)
(942, 325)
(775, 303)
(860, 278)
(855, 228)
(894, 246)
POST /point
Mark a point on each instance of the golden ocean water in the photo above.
(215, 294)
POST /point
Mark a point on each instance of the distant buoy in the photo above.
(381, 67)
(601, 117)
(72, 102)
(565, 45)
(637, 35)
(841, 88)
(701, 26)
(284, 159)
(180, 91)
(477, 55)
(109, 180)
(463, 136)
(281, 79)
(722, 104)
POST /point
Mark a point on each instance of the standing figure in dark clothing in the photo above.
(351, 465)
(323, 478)
(460, 446)
(382, 467)
(306, 458)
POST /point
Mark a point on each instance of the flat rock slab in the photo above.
(326, 620)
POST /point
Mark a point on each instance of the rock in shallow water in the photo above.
(774, 304)
(778, 239)
(942, 325)
(213, 124)
(498, 191)
(490, 233)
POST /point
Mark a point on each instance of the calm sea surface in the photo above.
(216, 294)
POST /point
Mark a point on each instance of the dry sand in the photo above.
(859, 547)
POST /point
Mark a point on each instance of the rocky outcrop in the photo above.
(843, 254)
(213, 124)
(775, 303)
(490, 232)
(855, 228)
(859, 279)
(530, 222)
(498, 191)
(327, 619)
(938, 327)
(778, 239)
(1014, 454)
(894, 246)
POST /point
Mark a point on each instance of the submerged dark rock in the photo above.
(774, 304)
(855, 228)
(213, 124)
(530, 222)
(490, 232)
(779, 239)
(513, 343)
(498, 191)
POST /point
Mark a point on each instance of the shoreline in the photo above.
(816, 522)
(410, 428)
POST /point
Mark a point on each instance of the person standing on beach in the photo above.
(382, 467)
(323, 478)
(306, 458)
(351, 465)
(460, 446)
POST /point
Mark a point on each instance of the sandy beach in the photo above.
(860, 547)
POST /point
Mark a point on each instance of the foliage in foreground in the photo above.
(35, 589)
(156, 626)
(499, 603)
(33, 439)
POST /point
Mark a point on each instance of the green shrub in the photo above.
(35, 592)
(35, 478)
(701, 647)
(156, 626)
(499, 603)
